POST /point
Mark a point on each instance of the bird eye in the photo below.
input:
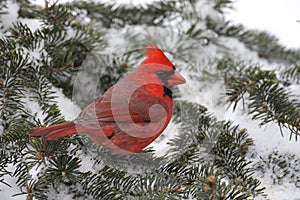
(160, 72)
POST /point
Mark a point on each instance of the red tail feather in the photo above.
(54, 132)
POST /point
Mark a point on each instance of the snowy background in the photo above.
(278, 17)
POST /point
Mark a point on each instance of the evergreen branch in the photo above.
(282, 168)
(53, 15)
(14, 63)
(187, 171)
(15, 118)
(111, 15)
(62, 50)
(5, 160)
(63, 168)
(41, 91)
(221, 4)
(3, 6)
(206, 159)
(106, 184)
(63, 68)
(28, 10)
(266, 44)
(269, 101)
(291, 74)
(199, 133)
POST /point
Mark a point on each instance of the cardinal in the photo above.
(131, 114)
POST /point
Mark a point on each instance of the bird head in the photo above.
(159, 66)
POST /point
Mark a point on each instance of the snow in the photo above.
(278, 17)
(281, 20)
(11, 16)
(287, 191)
(160, 144)
(6, 192)
(267, 138)
(127, 2)
(69, 110)
(130, 2)
(34, 108)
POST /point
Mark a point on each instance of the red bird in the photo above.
(131, 114)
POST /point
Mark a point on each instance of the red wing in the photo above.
(116, 108)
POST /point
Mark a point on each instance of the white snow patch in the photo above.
(42, 2)
(129, 2)
(11, 16)
(68, 109)
(160, 144)
(62, 193)
(287, 191)
(116, 2)
(279, 17)
(6, 192)
(86, 163)
(34, 108)
(33, 24)
(266, 138)
(238, 50)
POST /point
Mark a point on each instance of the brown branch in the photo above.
(46, 9)
(70, 65)
(281, 119)
(212, 197)
(4, 105)
(241, 91)
(212, 184)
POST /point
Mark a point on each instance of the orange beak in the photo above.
(176, 79)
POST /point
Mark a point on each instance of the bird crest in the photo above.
(155, 55)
